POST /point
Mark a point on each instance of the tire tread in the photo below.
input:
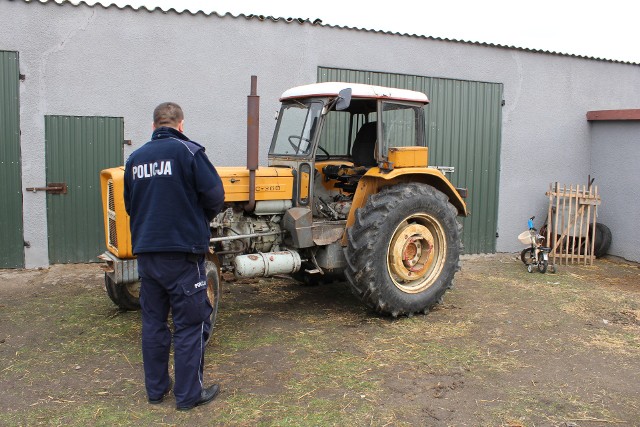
(363, 236)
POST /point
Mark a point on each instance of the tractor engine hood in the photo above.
(271, 183)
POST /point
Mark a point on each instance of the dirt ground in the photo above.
(506, 348)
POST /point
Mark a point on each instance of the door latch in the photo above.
(51, 188)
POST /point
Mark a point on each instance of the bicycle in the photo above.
(536, 255)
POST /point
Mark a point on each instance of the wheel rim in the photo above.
(133, 289)
(542, 266)
(416, 253)
(210, 292)
(213, 294)
(213, 289)
(213, 284)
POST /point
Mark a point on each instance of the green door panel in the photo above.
(77, 149)
(11, 226)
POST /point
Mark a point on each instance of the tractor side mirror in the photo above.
(344, 99)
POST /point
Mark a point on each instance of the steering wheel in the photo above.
(324, 152)
(294, 145)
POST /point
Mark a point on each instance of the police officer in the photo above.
(172, 191)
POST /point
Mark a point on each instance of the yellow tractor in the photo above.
(348, 193)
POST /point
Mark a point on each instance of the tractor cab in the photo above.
(331, 134)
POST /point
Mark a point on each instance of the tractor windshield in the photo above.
(296, 128)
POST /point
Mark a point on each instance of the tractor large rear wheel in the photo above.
(403, 249)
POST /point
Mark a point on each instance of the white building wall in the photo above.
(121, 62)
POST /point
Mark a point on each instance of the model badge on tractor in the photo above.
(348, 194)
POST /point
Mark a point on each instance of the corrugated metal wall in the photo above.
(464, 127)
(77, 149)
(11, 227)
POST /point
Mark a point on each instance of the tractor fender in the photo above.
(375, 179)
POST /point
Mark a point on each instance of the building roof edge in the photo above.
(318, 22)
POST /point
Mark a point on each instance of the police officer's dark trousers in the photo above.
(176, 281)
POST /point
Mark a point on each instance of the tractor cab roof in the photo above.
(358, 90)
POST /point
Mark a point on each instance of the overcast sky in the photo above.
(600, 28)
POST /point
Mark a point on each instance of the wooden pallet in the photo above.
(571, 223)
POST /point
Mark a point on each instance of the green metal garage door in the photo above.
(77, 149)
(464, 127)
(11, 243)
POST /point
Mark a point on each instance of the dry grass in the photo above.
(506, 348)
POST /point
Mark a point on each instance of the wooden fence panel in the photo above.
(571, 223)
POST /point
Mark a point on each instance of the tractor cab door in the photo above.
(294, 144)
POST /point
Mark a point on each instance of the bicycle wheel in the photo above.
(542, 266)
(527, 256)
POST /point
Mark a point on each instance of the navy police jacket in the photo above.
(171, 192)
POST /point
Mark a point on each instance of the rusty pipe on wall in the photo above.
(253, 122)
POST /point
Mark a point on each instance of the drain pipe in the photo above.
(253, 121)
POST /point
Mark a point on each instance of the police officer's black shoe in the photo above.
(165, 394)
(206, 396)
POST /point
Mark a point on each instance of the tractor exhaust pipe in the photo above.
(253, 133)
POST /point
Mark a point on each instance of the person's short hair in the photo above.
(167, 114)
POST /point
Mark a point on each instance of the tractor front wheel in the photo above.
(213, 292)
(403, 249)
(125, 295)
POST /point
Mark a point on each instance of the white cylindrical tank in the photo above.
(272, 207)
(266, 264)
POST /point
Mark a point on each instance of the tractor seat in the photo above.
(364, 146)
(347, 176)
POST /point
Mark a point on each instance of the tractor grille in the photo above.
(111, 215)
